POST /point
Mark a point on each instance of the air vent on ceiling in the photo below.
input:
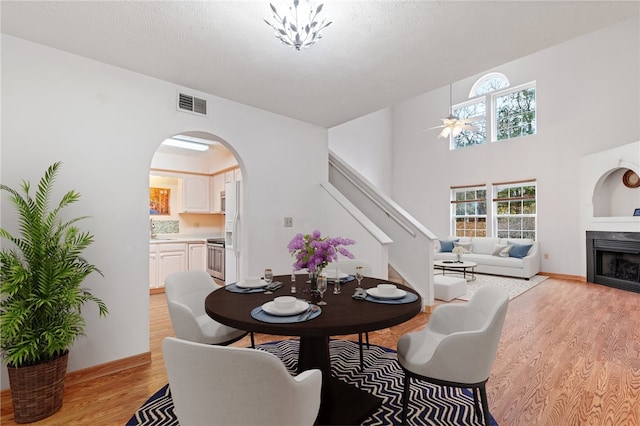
(191, 104)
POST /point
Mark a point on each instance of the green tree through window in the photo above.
(515, 210)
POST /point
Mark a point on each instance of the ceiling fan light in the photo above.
(445, 132)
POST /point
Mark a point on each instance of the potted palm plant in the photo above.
(41, 273)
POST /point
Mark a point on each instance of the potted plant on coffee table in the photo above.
(41, 272)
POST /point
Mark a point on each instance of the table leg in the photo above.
(342, 403)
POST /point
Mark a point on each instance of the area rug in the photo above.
(514, 286)
(382, 376)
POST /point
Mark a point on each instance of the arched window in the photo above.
(489, 83)
(511, 111)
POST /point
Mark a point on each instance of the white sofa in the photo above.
(485, 252)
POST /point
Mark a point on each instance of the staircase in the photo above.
(411, 244)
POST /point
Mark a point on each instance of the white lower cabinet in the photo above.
(197, 256)
(167, 258)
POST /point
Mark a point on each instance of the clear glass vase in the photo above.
(313, 279)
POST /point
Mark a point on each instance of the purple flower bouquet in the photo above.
(314, 252)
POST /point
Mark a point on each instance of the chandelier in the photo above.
(300, 28)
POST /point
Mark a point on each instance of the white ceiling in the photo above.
(375, 53)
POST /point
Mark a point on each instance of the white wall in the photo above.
(366, 144)
(104, 124)
(588, 100)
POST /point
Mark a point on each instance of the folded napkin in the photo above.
(360, 294)
(274, 285)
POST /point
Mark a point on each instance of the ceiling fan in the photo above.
(452, 125)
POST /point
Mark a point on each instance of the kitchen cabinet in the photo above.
(230, 176)
(195, 194)
(165, 259)
(217, 186)
(197, 255)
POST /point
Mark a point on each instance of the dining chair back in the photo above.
(458, 346)
(223, 385)
(185, 292)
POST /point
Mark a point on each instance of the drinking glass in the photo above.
(359, 276)
(336, 283)
(268, 277)
(322, 287)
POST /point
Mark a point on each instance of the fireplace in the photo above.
(613, 259)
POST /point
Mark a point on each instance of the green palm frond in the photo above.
(40, 276)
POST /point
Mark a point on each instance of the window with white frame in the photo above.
(511, 111)
(469, 211)
(515, 210)
(515, 113)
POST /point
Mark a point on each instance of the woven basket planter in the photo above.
(37, 390)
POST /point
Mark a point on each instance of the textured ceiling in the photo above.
(375, 53)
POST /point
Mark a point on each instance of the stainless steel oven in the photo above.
(215, 258)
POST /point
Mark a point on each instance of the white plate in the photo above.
(331, 274)
(375, 293)
(257, 284)
(298, 308)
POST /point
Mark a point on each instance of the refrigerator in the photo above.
(231, 232)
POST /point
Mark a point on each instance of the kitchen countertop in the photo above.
(177, 238)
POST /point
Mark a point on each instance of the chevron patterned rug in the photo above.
(382, 376)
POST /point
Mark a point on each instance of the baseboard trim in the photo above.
(96, 371)
(564, 276)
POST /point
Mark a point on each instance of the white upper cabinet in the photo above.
(217, 186)
(195, 194)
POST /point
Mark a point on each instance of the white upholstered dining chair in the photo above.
(185, 292)
(457, 347)
(223, 385)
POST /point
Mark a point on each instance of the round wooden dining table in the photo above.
(342, 403)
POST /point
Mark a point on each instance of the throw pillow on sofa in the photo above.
(446, 246)
(502, 250)
(519, 250)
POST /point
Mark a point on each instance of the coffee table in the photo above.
(342, 403)
(455, 266)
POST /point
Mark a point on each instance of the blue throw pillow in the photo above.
(446, 246)
(519, 250)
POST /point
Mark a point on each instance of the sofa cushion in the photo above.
(488, 260)
(484, 245)
(519, 250)
(501, 250)
(447, 245)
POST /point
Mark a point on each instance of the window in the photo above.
(469, 211)
(515, 113)
(515, 209)
(475, 110)
(512, 111)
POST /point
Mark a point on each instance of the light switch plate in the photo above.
(288, 222)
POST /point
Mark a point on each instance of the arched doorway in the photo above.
(190, 178)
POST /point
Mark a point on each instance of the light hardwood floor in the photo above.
(569, 355)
